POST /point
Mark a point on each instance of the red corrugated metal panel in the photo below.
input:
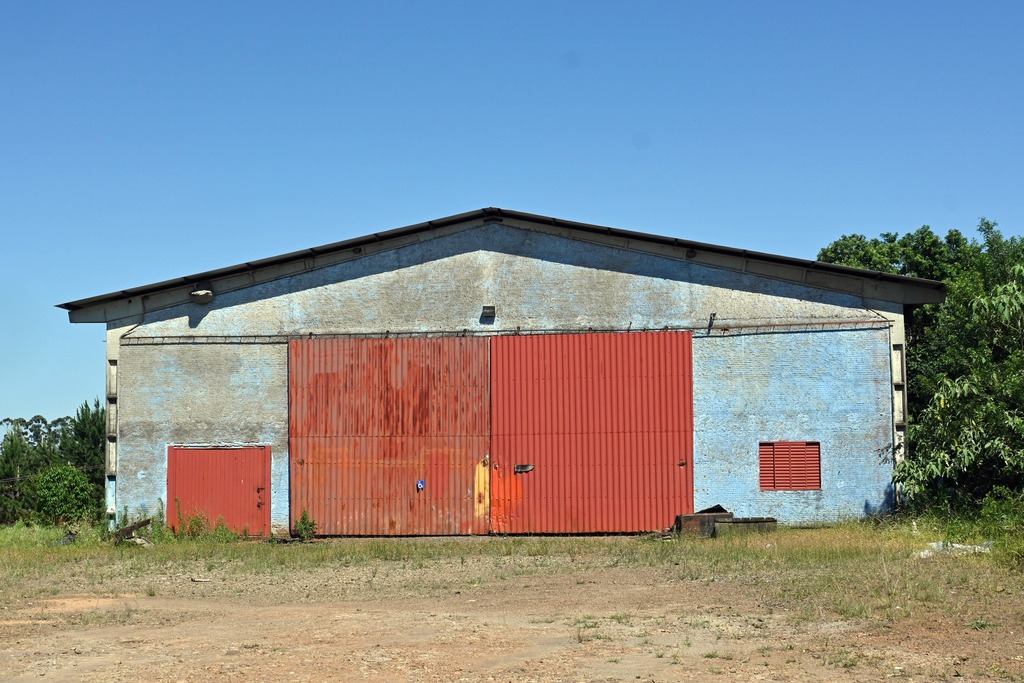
(370, 418)
(790, 465)
(607, 422)
(220, 484)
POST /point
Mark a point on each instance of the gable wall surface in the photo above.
(536, 280)
(778, 361)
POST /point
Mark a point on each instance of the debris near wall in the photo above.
(701, 523)
(717, 521)
(956, 549)
(67, 539)
(745, 525)
(127, 534)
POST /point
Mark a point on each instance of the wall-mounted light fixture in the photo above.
(488, 312)
(202, 293)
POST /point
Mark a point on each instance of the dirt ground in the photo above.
(477, 619)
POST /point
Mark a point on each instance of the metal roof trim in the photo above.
(496, 214)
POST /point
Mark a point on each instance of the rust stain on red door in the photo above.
(599, 427)
(389, 436)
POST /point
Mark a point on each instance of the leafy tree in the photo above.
(42, 436)
(964, 359)
(83, 442)
(28, 447)
(920, 254)
(970, 437)
(64, 494)
(17, 463)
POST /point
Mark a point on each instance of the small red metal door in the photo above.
(390, 436)
(228, 486)
(591, 432)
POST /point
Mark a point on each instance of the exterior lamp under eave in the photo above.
(201, 296)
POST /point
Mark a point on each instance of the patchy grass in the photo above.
(850, 571)
(980, 624)
(844, 659)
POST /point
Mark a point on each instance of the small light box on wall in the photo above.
(201, 296)
(488, 312)
(202, 293)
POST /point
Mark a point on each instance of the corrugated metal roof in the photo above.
(497, 215)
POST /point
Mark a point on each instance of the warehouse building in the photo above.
(503, 372)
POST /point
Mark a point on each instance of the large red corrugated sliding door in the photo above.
(390, 436)
(591, 432)
(229, 486)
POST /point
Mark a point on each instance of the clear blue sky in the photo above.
(145, 141)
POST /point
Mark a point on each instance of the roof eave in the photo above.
(917, 290)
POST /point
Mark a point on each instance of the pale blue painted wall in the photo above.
(826, 386)
(199, 394)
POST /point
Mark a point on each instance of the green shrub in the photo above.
(64, 494)
(999, 520)
(158, 531)
(305, 528)
(222, 532)
(1002, 520)
(1002, 513)
(195, 526)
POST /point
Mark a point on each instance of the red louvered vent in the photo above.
(790, 466)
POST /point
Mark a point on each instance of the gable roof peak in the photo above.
(918, 290)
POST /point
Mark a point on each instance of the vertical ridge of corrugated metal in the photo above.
(606, 418)
(372, 417)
